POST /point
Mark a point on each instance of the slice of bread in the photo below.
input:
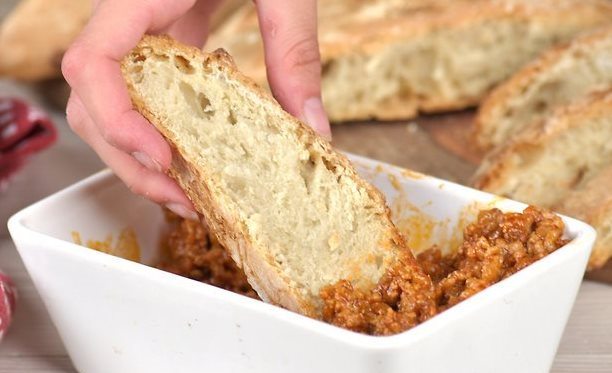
(390, 59)
(593, 204)
(557, 77)
(292, 212)
(544, 163)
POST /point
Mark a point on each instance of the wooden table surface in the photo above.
(33, 346)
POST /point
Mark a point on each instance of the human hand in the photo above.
(99, 109)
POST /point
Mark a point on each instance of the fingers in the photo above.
(289, 31)
(101, 112)
(91, 67)
(192, 28)
(155, 186)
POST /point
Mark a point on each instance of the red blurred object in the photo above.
(8, 295)
(24, 130)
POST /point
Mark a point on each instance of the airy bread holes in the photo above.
(307, 170)
(136, 72)
(205, 104)
(206, 68)
(231, 117)
(160, 57)
(199, 103)
(183, 65)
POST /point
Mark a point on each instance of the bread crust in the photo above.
(498, 101)
(269, 284)
(501, 164)
(593, 204)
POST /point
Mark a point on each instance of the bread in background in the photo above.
(394, 59)
(593, 204)
(558, 77)
(224, 10)
(562, 162)
(35, 35)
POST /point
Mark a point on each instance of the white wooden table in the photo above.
(33, 346)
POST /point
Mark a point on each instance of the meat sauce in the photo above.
(495, 246)
(403, 298)
(190, 250)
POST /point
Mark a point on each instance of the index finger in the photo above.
(293, 63)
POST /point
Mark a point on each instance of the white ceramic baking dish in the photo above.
(123, 317)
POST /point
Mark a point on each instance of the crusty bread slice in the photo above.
(390, 59)
(557, 77)
(544, 163)
(292, 212)
(593, 204)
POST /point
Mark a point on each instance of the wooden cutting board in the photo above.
(438, 145)
(454, 133)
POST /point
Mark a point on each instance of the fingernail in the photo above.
(314, 115)
(146, 161)
(182, 210)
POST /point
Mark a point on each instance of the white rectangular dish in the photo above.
(124, 317)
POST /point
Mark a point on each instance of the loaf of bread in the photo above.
(562, 162)
(34, 37)
(545, 163)
(557, 77)
(593, 204)
(292, 212)
(393, 59)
